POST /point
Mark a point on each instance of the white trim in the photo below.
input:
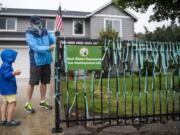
(120, 20)
(53, 25)
(100, 8)
(115, 16)
(14, 46)
(107, 4)
(16, 24)
(83, 28)
(1, 30)
(46, 20)
(127, 11)
(7, 30)
(12, 39)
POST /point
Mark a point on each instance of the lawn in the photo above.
(125, 96)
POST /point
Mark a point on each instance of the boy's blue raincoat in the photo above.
(7, 79)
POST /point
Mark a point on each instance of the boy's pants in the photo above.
(9, 98)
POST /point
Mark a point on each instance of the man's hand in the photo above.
(51, 47)
(17, 72)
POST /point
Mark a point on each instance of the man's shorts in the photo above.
(9, 98)
(40, 73)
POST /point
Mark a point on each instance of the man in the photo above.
(41, 44)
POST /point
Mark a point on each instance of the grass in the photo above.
(138, 97)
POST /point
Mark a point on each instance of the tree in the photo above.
(170, 34)
(163, 9)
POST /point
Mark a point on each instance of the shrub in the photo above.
(150, 67)
(108, 34)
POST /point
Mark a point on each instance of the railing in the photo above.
(139, 83)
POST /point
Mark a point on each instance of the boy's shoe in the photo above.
(13, 123)
(45, 105)
(29, 108)
(3, 123)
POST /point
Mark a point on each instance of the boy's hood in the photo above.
(8, 55)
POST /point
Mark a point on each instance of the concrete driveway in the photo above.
(39, 123)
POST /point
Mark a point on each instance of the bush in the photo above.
(108, 34)
(173, 66)
(150, 67)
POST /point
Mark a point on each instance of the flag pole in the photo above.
(57, 73)
(57, 88)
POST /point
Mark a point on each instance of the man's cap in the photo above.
(35, 19)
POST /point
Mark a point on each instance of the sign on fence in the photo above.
(84, 57)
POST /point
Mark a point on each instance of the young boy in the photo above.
(8, 88)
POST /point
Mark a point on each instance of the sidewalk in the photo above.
(39, 123)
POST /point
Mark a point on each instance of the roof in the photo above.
(42, 13)
(106, 5)
(52, 13)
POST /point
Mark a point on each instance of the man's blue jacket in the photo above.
(39, 44)
(7, 79)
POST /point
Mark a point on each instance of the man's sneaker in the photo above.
(45, 105)
(3, 123)
(29, 108)
(13, 123)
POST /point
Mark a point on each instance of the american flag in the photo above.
(59, 21)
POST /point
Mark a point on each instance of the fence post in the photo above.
(179, 80)
(132, 80)
(57, 64)
(160, 92)
(139, 81)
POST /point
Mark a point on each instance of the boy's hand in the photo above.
(17, 72)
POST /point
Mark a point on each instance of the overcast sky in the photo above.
(81, 5)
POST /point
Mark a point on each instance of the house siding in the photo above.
(22, 24)
(97, 25)
(128, 29)
(93, 24)
(87, 25)
(68, 27)
(97, 22)
(112, 10)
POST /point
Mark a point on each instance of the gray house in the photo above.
(14, 22)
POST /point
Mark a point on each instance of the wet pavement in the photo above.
(39, 123)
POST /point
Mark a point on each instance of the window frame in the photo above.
(46, 20)
(53, 25)
(114, 19)
(15, 25)
(74, 34)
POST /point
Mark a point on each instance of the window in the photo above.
(11, 24)
(79, 27)
(43, 23)
(2, 23)
(113, 24)
(48, 24)
(8, 24)
(109, 25)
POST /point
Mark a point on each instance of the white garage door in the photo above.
(22, 61)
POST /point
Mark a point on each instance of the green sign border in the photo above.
(84, 57)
